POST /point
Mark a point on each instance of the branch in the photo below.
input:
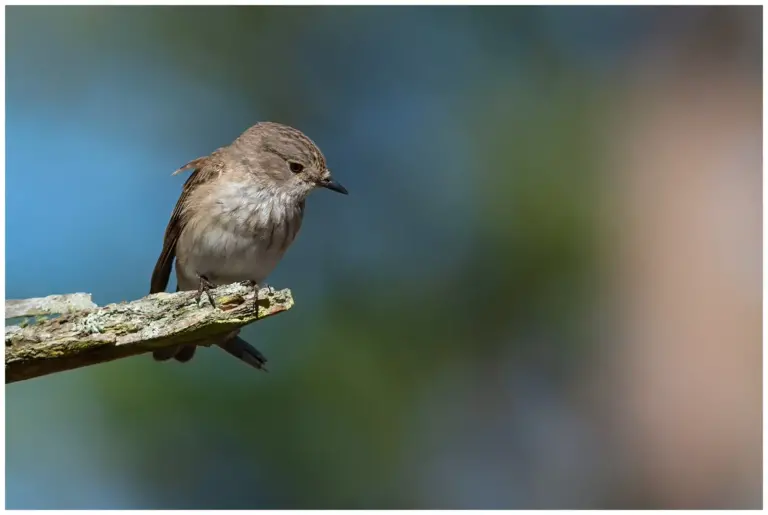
(48, 305)
(90, 335)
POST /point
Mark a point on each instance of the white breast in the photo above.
(243, 235)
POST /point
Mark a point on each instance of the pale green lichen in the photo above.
(91, 324)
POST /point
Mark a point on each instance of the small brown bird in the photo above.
(238, 213)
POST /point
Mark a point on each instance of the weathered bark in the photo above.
(48, 305)
(85, 335)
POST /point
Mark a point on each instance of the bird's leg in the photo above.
(250, 283)
(204, 286)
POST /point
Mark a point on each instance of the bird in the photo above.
(239, 211)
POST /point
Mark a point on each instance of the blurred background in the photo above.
(544, 290)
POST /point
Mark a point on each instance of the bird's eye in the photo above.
(296, 167)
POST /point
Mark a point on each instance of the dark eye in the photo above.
(296, 167)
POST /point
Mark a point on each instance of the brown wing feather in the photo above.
(162, 271)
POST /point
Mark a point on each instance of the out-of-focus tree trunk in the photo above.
(687, 177)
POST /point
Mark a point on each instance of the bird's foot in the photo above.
(253, 284)
(204, 286)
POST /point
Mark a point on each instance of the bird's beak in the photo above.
(333, 185)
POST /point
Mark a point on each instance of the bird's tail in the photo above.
(235, 346)
(244, 351)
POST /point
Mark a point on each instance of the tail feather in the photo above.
(235, 346)
(244, 351)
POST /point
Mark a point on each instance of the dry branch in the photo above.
(95, 335)
(48, 305)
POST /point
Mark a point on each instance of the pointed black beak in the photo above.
(335, 186)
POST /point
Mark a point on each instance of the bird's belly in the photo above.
(225, 257)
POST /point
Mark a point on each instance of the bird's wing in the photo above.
(202, 173)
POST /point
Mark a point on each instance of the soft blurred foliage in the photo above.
(469, 330)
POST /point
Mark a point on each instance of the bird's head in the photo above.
(284, 158)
